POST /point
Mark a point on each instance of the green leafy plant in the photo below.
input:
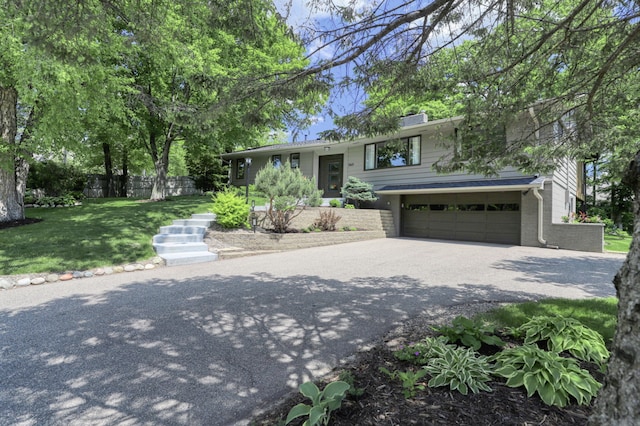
(335, 203)
(470, 333)
(288, 192)
(327, 220)
(230, 209)
(347, 377)
(323, 403)
(459, 368)
(566, 334)
(554, 378)
(421, 352)
(349, 206)
(411, 380)
(358, 191)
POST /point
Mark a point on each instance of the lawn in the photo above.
(100, 232)
(617, 243)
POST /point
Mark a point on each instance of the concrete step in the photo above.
(177, 238)
(192, 222)
(179, 229)
(166, 248)
(204, 216)
(173, 259)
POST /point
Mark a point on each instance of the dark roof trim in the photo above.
(486, 185)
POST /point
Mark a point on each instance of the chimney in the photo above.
(414, 120)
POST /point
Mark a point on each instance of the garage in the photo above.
(492, 217)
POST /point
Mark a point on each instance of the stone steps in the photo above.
(182, 242)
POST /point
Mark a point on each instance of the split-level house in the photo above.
(514, 208)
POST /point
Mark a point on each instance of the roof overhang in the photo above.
(486, 185)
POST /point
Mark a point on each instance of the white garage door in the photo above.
(485, 216)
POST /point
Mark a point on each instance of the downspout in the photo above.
(541, 240)
(536, 194)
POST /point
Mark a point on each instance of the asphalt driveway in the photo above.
(211, 344)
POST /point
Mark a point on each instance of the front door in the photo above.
(330, 175)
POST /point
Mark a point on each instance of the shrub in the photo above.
(566, 334)
(470, 333)
(358, 191)
(287, 190)
(335, 203)
(554, 378)
(230, 209)
(55, 179)
(327, 221)
(349, 206)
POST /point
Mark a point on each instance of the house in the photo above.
(513, 208)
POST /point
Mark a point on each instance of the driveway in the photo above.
(212, 344)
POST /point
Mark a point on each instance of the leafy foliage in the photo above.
(566, 334)
(56, 179)
(347, 377)
(421, 352)
(460, 368)
(470, 333)
(554, 378)
(411, 380)
(230, 209)
(288, 192)
(323, 403)
(358, 191)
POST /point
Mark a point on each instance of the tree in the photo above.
(358, 191)
(288, 191)
(572, 64)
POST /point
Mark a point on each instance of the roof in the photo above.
(281, 146)
(478, 185)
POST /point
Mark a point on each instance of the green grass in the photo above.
(598, 314)
(101, 232)
(617, 243)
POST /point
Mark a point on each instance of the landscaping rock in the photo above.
(77, 274)
(99, 272)
(118, 269)
(38, 281)
(66, 277)
(139, 267)
(149, 266)
(129, 268)
(88, 274)
(5, 284)
(108, 271)
(24, 282)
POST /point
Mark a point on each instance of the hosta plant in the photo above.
(566, 334)
(470, 333)
(323, 403)
(421, 352)
(461, 369)
(554, 378)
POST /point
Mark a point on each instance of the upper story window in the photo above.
(394, 153)
(294, 160)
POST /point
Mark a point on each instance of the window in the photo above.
(276, 160)
(294, 160)
(240, 168)
(395, 153)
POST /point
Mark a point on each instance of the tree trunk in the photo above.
(125, 173)
(11, 207)
(161, 163)
(618, 402)
(108, 190)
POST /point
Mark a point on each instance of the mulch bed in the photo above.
(383, 402)
(15, 223)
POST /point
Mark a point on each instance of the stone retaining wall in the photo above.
(292, 241)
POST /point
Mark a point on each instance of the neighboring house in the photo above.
(513, 208)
